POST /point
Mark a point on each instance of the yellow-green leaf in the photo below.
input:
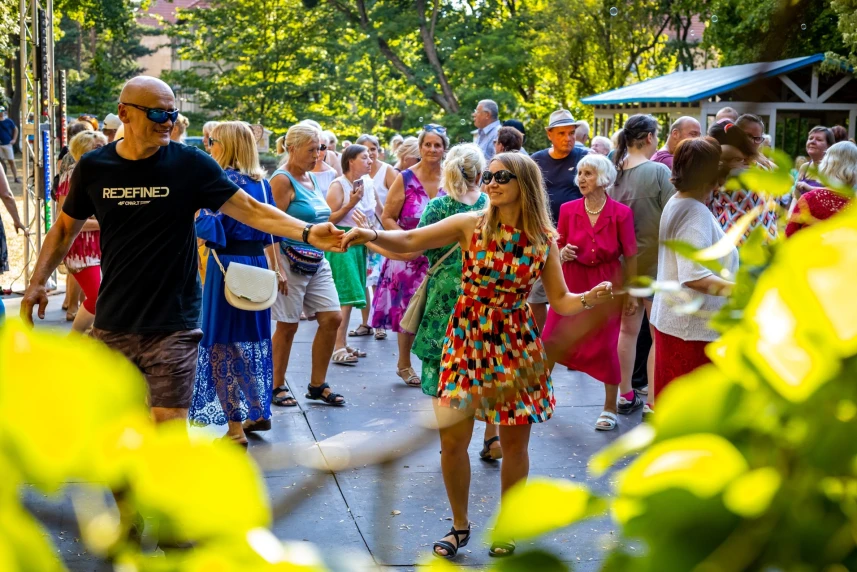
(520, 518)
(678, 405)
(100, 392)
(703, 464)
(24, 545)
(751, 494)
(194, 486)
(634, 440)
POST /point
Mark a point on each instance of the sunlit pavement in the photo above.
(337, 497)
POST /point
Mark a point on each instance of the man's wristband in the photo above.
(376, 235)
(306, 233)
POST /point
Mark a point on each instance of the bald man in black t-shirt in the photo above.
(144, 190)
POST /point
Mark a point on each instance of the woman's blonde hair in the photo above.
(84, 142)
(297, 135)
(238, 149)
(534, 207)
(461, 170)
(181, 125)
(840, 164)
(409, 149)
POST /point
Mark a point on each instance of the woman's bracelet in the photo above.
(583, 301)
(376, 235)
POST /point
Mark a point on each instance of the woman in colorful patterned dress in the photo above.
(493, 361)
(406, 201)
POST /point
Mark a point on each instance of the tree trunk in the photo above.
(427, 35)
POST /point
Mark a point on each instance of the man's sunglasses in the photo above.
(156, 115)
(432, 128)
(502, 177)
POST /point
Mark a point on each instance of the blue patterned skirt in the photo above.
(235, 372)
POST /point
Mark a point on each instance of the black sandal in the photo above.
(282, 400)
(488, 454)
(509, 548)
(317, 394)
(462, 537)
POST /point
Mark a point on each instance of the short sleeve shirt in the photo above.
(559, 175)
(646, 189)
(146, 212)
(690, 221)
(7, 129)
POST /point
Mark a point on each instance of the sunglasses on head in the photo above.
(502, 177)
(156, 115)
(432, 128)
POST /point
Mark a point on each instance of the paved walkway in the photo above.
(390, 514)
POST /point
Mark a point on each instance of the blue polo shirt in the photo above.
(559, 177)
(7, 130)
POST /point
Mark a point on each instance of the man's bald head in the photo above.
(145, 92)
(726, 113)
(684, 127)
(144, 88)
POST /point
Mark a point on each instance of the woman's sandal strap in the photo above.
(462, 537)
(491, 441)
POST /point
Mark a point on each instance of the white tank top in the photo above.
(380, 180)
(324, 178)
(366, 204)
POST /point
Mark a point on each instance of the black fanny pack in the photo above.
(302, 260)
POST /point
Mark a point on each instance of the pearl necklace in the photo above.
(594, 213)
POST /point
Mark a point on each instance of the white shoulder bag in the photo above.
(249, 287)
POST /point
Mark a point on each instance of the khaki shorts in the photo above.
(538, 294)
(7, 153)
(307, 294)
(167, 361)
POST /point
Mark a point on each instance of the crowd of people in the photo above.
(517, 263)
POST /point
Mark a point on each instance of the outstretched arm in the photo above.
(561, 300)
(57, 242)
(458, 228)
(244, 208)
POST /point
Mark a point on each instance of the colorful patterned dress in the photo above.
(443, 290)
(493, 362)
(400, 279)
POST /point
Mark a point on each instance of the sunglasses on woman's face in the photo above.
(156, 115)
(502, 177)
(322, 147)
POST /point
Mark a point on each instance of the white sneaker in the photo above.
(643, 390)
(647, 412)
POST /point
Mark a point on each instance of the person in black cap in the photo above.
(558, 164)
(520, 127)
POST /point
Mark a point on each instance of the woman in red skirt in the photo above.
(595, 233)
(681, 337)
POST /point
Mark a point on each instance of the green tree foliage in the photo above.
(773, 29)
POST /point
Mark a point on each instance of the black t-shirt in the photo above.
(559, 177)
(148, 242)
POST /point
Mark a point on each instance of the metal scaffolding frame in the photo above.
(36, 88)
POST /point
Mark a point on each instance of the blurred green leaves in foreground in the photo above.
(750, 464)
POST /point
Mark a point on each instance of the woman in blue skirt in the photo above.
(234, 373)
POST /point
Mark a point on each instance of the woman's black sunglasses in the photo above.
(502, 177)
(156, 115)
(322, 147)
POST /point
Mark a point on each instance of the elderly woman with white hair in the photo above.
(595, 234)
(601, 145)
(839, 166)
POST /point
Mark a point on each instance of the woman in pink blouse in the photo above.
(595, 233)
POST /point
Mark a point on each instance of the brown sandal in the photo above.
(409, 376)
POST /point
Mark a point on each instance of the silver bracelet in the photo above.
(583, 301)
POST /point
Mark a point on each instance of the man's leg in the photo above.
(169, 364)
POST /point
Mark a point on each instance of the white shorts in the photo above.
(538, 294)
(308, 294)
(7, 153)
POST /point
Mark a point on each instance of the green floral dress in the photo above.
(444, 288)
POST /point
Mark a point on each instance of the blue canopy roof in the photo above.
(696, 85)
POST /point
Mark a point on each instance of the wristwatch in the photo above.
(306, 232)
(583, 301)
